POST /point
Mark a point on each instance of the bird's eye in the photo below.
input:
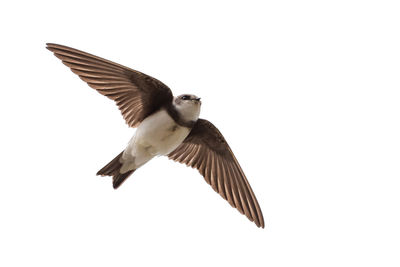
(185, 97)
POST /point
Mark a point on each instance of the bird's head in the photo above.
(188, 106)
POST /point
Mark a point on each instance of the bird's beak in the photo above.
(197, 99)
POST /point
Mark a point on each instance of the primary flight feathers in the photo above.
(136, 94)
(197, 143)
(206, 150)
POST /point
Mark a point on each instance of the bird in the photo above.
(166, 125)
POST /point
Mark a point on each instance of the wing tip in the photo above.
(51, 46)
(259, 220)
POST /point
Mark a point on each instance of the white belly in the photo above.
(161, 133)
(157, 135)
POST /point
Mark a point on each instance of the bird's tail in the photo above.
(113, 169)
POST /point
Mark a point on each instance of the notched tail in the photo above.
(113, 169)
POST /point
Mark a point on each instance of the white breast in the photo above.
(158, 134)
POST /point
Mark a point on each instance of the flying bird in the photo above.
(166, 125)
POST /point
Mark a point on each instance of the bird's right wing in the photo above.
(206, 150)
(136, 94)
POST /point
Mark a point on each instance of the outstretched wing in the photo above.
(206, 150)
(136, 94)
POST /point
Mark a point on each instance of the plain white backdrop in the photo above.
(306, 93)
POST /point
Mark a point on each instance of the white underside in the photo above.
(157, 135)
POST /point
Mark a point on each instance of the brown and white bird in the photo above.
(166, 125)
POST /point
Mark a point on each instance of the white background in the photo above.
(306, 93)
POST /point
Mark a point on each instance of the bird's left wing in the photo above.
(136, 94)
(206, 150)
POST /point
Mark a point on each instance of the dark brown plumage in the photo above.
(138, 95)
(206, 150)
(112, 169)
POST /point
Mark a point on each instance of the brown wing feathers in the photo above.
(136, 94)
(206, 150)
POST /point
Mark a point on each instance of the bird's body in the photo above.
(166, 125)
(159, 134)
